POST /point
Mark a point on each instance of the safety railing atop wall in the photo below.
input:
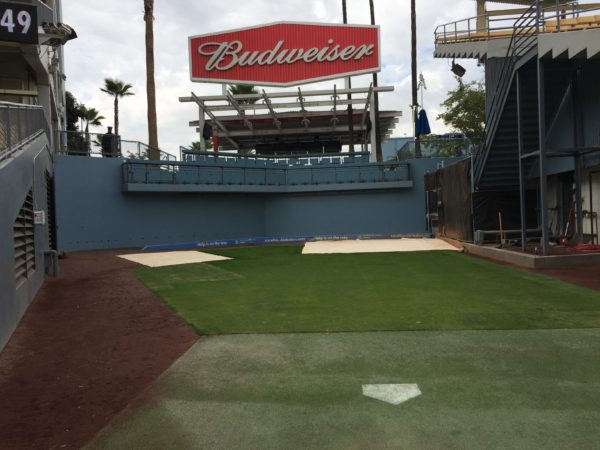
(19, 124)
(79, 143)
(188, 155)
(262, 174)
(45, 13)
(432, 147)
(499, 24)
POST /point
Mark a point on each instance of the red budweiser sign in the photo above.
(284, 54)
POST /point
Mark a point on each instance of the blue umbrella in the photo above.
(422, 124)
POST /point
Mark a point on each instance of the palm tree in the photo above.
(90, 116)
(239, 89)
(154, 152)
(117, 89)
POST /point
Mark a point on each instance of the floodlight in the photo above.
(457, 69)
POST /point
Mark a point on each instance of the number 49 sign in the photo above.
(18, 23)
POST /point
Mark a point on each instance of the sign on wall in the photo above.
(284, 54)
(18, 23)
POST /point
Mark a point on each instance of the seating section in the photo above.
(265, 172)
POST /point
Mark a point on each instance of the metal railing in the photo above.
(178, 173)
(523, 39)
(19, 124)
(189, 155)
(79, 143)
(436, 147)
(500, 24)
(45, 13)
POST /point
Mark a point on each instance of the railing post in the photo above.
(8, 140)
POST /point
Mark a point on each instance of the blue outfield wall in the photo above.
(93, 211)
(24, 172)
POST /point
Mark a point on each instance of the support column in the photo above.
(521, 180)
(373, 115)
(376, 126)
(201, 125)
(578, 101)
(542, 165)
(349, 86)
(481, 19)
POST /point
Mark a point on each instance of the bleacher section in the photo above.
(231, 174)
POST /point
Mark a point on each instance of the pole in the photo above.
(579, 142)
(376, 124)
(521, 178)
(413, 63)
(349, 86)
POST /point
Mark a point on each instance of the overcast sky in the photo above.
(110, 43)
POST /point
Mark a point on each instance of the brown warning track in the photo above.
(92, 340)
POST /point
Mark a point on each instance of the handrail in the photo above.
(19, 124)
(523, 39)
(79, 143)
(495, 25)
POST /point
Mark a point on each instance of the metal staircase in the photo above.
(496, 164)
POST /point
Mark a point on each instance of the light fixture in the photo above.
(457, 69)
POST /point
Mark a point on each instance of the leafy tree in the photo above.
(196, 147)
(154, 152)
(90, 116)
(75, 142)
(436, 145)
(117, 89)
(239, 89)
(465, 110)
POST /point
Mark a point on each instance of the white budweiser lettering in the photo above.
(226, 55)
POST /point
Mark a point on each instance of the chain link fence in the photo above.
(19, 124)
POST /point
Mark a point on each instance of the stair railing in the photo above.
(523, 39)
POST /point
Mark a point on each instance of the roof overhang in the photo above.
(282, 118)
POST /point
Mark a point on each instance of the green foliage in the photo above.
(116, 88)
(196, 147)
(465, 110)
(72, 112)
(90, 116)
(443, 147)
(76, 143)
(133, 155)
(239, 89)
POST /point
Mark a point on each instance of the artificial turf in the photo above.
(279, 290)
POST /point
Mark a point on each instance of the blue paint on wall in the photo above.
(25, 171)
(94, 213)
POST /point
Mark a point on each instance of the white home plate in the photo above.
(391, 393)
(161, 259)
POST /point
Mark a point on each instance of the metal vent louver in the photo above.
(24, 241)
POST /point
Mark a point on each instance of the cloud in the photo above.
(111, 44)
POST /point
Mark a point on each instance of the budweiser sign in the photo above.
(284, 54)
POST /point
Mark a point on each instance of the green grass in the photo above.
(487, 390)
(277, 289)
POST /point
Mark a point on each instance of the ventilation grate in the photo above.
(51, 211)
(24, 241)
